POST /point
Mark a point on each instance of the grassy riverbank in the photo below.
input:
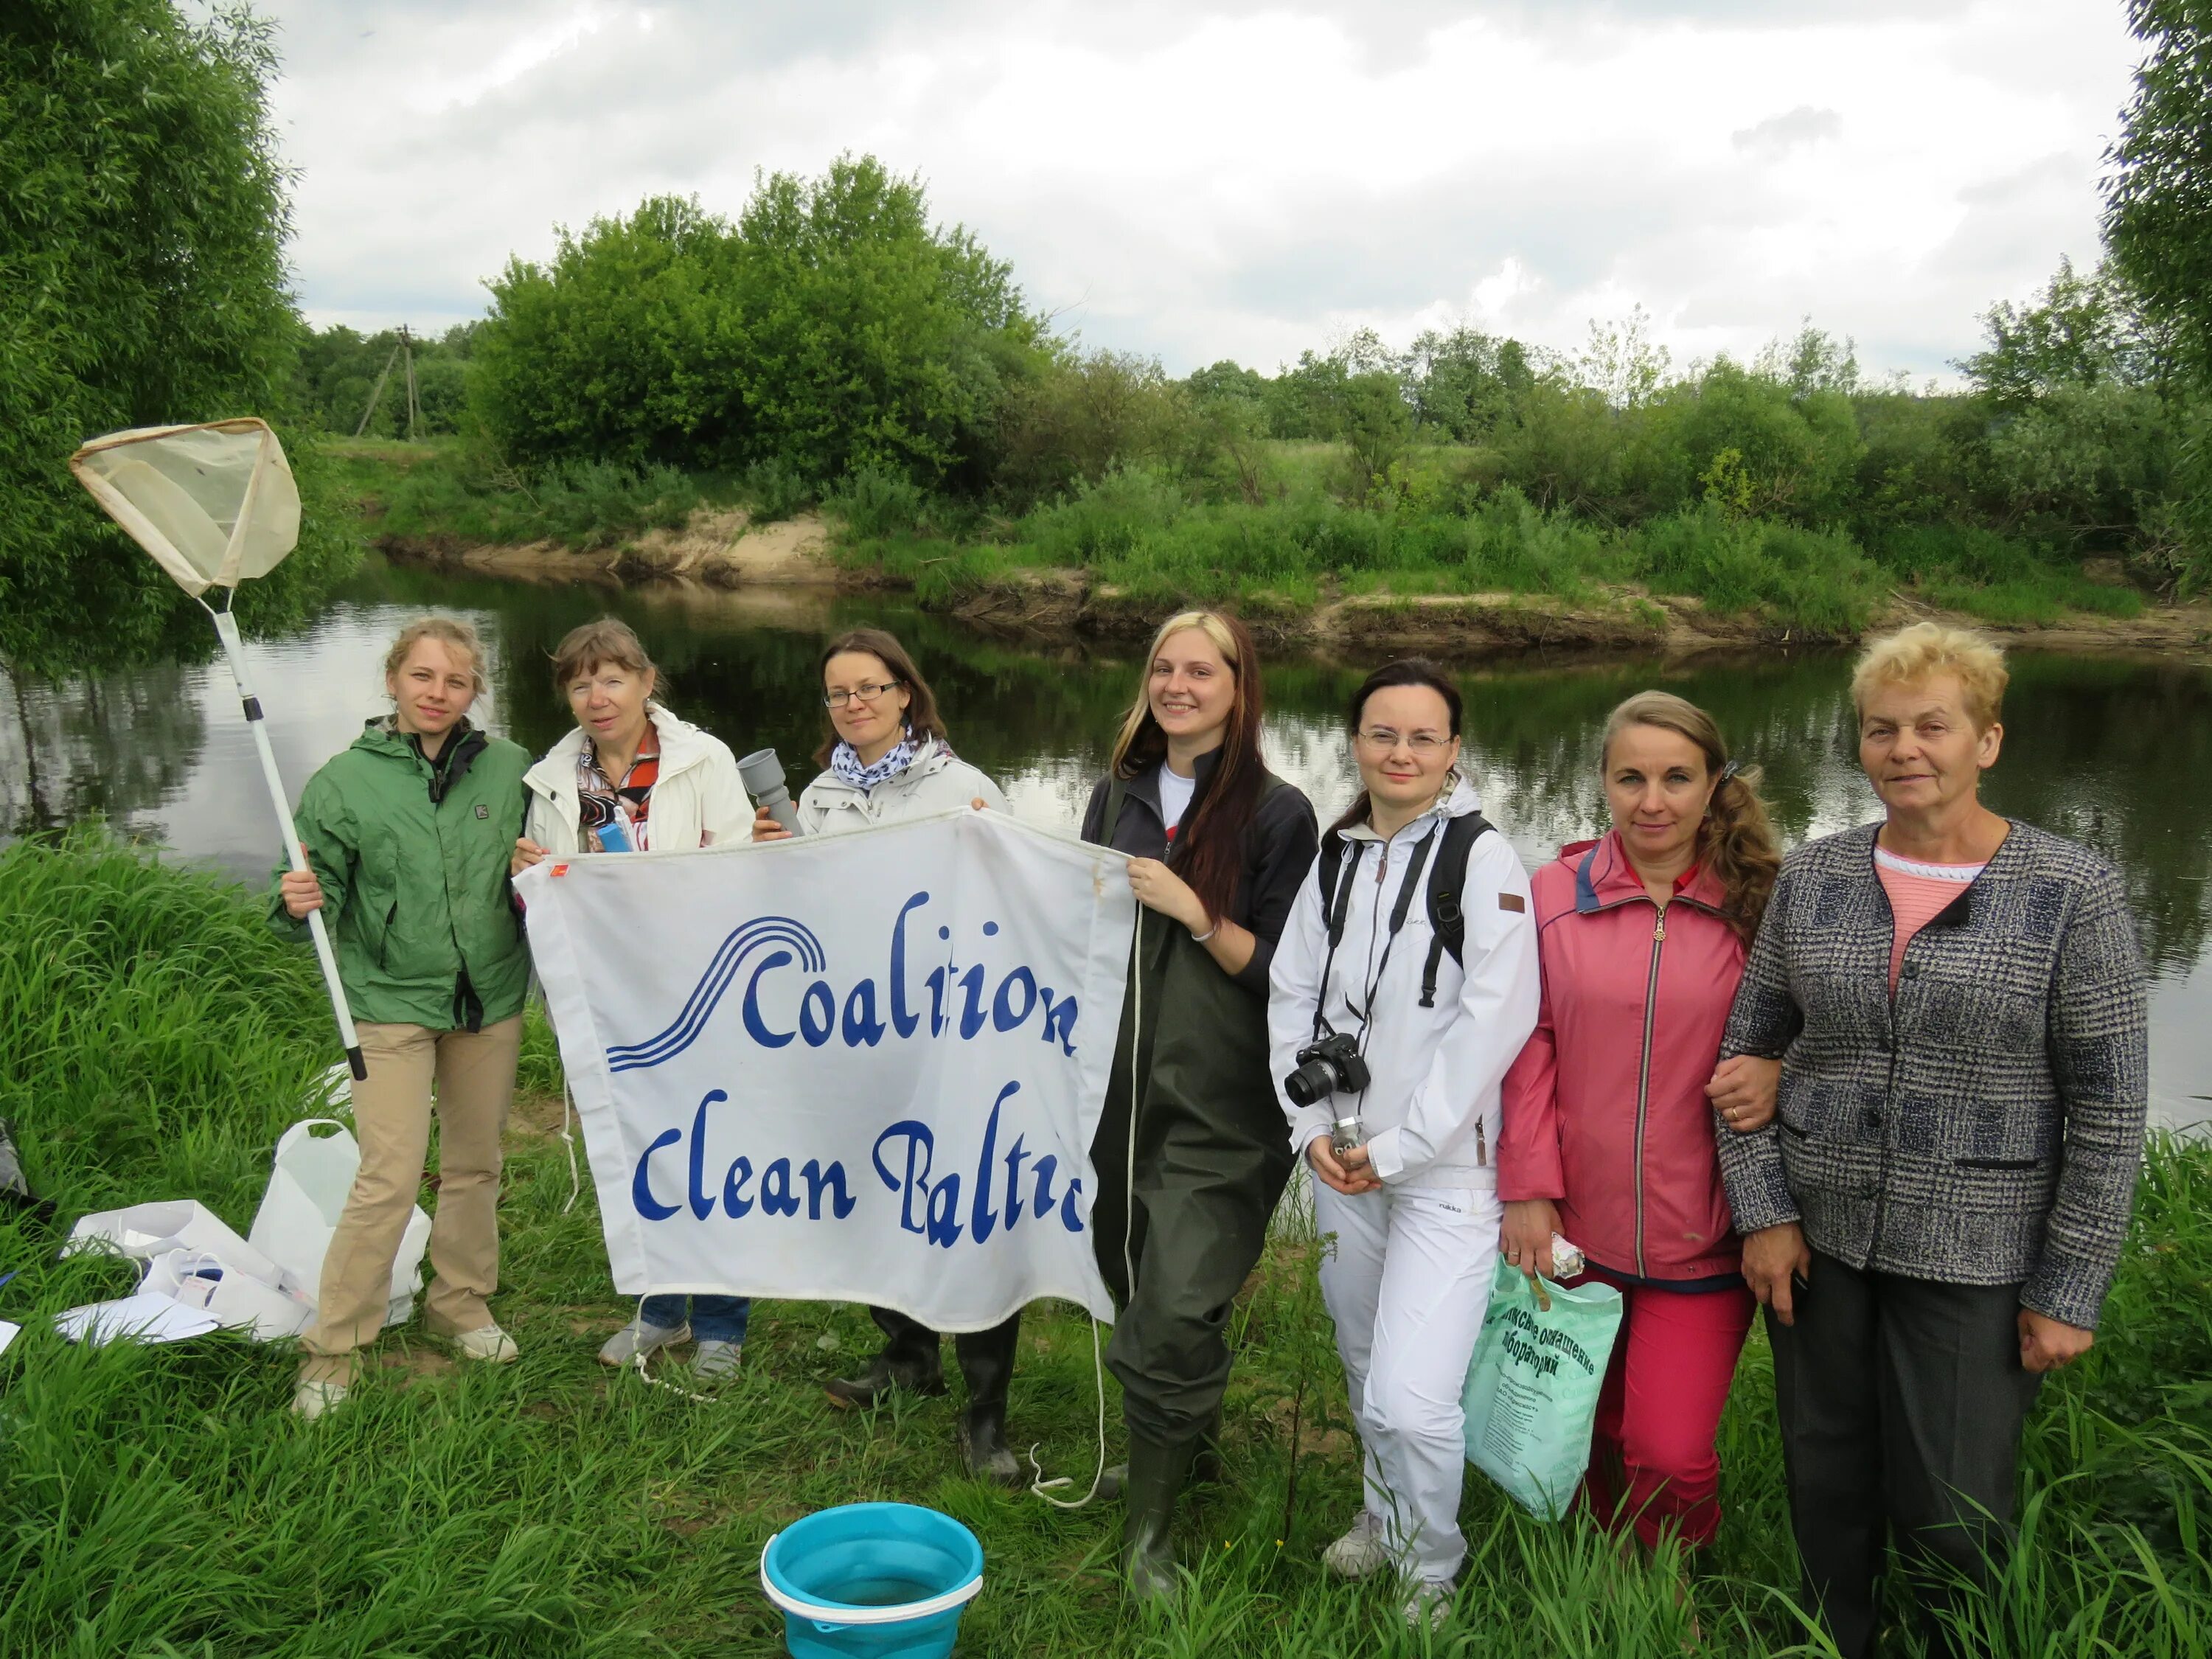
(1439, 556)
(153, 1040)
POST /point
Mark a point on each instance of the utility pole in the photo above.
(403, 350)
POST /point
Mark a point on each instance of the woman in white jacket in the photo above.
(630, 777)
(1404, 1175)
(886, 760)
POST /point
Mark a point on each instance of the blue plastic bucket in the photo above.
(872, 1581)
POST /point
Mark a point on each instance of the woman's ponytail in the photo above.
(1736, 840)
(1737, 845)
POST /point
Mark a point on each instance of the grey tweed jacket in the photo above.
(1985, 1125)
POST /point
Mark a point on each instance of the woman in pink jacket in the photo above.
(1611, 1109)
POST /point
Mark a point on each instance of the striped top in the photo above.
(1918, 892)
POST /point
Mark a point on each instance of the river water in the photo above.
(2112, 751)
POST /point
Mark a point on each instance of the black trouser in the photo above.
(986, 1358)
(1206, 1182)
(1901, 1402)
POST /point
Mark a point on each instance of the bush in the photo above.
(587, 505)
(774, 489)
(873, 503)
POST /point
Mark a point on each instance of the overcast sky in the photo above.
(1217, 178)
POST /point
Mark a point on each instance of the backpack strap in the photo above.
(1447, 915)
(1329, 866)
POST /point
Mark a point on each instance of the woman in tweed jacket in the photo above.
(1934, 1218)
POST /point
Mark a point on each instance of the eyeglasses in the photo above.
(1423, 744)
(862, 693)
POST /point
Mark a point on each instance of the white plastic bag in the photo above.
(307, 1188)
(234, 1298)
(142, 1231)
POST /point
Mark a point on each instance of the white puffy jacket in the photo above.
(1431, 1110)
(936, 781)
(699, 800)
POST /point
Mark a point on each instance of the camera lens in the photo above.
(1313, 1081)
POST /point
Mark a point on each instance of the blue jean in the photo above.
(713, 1318)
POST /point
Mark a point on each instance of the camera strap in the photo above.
(1349, 879)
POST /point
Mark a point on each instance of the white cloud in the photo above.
(1244, 179)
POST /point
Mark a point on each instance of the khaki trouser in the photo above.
(474, 1072)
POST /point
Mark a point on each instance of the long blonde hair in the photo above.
(1208, 849)
(1736, 840)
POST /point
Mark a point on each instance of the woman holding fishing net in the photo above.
(407, 835)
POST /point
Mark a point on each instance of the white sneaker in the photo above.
(1429, 1602)
(639, 1338)
(311, 1400)
(487, 1343)
(1361, 1552)
(716, 1360)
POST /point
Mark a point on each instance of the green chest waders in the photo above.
(1197, 1182)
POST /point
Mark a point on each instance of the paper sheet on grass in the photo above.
(146, 1317)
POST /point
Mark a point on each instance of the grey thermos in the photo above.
(763, 779)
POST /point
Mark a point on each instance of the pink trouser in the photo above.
(1652, 1460)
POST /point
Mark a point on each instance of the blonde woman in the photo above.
(1190, 1152)
(408, 835)
(1933, 1220)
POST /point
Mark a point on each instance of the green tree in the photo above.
(142, 217)
(869, 338)
(2079, 332)
(626, 347)
(2158, 208)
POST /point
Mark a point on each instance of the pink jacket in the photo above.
(1605, 1110)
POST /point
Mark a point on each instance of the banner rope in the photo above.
(568, 1111)
(1041, 1487)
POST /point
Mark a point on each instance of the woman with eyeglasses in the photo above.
(1189, 1152)
(1409, 963)
(885, 760)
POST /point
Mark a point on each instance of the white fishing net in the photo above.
(214, 505)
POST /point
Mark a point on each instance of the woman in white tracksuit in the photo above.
(1404, 1177)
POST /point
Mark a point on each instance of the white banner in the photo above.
(862, 1067)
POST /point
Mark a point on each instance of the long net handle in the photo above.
(226, 627)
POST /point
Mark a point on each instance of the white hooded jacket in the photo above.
(1432, 1111)
(699, 800)
(935, 781)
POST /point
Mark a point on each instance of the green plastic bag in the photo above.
(1531, 1396)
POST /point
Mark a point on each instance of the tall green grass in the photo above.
(154, 1039)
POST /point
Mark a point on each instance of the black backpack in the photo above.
(1446, 916)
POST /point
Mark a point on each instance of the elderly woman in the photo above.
(1933, 1220)
(629, 777)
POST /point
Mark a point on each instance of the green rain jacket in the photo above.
(412, 858)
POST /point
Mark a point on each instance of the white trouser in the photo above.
(1407, 1282)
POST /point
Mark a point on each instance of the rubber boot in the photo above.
(1205, 1469)
(986, 1365)
(1156, 1474)
(910, 1360)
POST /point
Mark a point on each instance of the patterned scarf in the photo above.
(846, 763)
(601, 802)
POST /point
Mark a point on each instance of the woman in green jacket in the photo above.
(408, 834)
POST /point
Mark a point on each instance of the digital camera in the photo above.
(1325, 1066)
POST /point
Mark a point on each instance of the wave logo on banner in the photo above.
(865, 1066)
(769, 930)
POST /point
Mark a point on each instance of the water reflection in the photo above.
(2116, 753)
